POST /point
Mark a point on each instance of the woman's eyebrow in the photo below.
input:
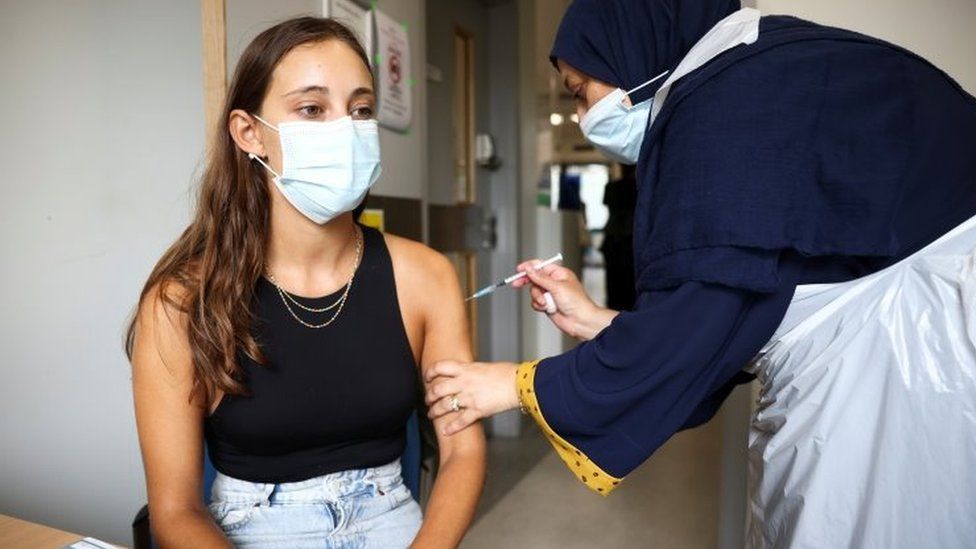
(358, 92)
(314, 88)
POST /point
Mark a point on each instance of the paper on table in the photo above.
(90, 543)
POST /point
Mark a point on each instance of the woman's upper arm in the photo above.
(447, 337)
(446, 332)
(170, 426)
(434, 314)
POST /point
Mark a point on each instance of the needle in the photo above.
(501, 284)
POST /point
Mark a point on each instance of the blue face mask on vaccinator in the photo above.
(616, 129)
(326, 167)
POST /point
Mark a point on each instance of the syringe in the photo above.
(489, 289)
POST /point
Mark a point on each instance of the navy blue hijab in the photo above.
(627, 42)
(813, 140)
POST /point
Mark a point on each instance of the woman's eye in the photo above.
(579, 94)
(310, 111)
(362, 113)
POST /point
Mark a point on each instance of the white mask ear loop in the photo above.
(649, 82)
(268, 124)
(253, 156)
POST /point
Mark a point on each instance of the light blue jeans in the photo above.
(360, 508)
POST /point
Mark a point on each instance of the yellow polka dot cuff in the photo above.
(586, 471)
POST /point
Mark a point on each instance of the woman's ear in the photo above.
(245, 133)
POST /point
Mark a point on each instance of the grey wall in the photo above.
(102, 134)
(503, 184)
(443, 16)
(529, 166)
(732, 516)
(245, 19)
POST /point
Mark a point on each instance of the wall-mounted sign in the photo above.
(393, 72)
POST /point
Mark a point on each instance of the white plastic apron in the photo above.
(865, 435)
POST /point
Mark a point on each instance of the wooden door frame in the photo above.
(466, 112)
(214, 27)
(463, 109)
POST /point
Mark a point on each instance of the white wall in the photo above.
(939, 30)
(101, 136)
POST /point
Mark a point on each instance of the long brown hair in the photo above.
(210, 272)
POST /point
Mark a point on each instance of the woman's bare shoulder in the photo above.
(417, 263)
(425, 279)
(159, 335)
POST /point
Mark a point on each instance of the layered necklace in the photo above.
(290, 300)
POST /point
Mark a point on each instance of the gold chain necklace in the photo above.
(340, 303)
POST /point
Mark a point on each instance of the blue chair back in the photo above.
(410, 461)
(209, 474)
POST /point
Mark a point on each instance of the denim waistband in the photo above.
(321, 489)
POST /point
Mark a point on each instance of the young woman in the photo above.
(287, 336)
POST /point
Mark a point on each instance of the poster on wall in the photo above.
(393, 73)
(357, 17)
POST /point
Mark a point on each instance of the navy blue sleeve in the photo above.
(662, 367)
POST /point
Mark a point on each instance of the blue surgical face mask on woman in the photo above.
(616, 129)
(326, 167)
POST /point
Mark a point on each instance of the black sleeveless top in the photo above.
(329, 399)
